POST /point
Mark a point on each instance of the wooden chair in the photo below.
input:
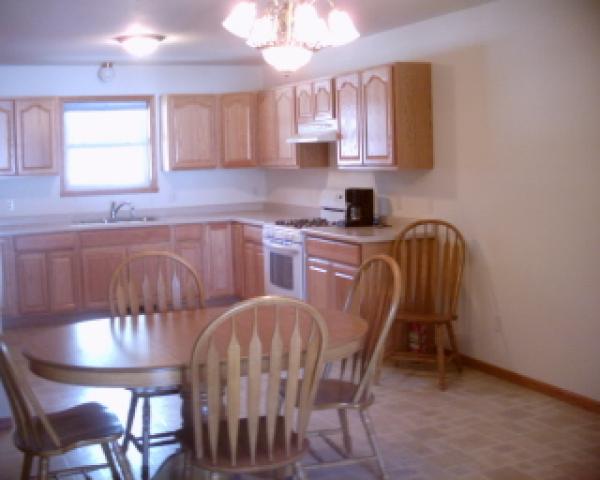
(149, 282)
(431, 255)
(44, 436)
(245, 430)
(374, 295)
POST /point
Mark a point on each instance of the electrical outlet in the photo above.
(10, 205)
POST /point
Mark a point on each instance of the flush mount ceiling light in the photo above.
(140, 45)
(288, 31)
(106, 72)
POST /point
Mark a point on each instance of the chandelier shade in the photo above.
(288, 32)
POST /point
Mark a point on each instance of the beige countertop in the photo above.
(256, 216)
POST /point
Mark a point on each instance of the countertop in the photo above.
(166, 217)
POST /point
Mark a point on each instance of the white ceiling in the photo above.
(81, 31)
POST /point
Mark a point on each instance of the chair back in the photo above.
(154, 281)
(431, 255)
(23, 403)
(259, 339)
(374, 295)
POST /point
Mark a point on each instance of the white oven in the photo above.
(283, 249)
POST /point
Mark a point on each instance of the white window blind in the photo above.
(107, 146)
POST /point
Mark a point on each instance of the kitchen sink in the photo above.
(107, 221)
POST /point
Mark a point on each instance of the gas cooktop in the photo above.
(303, 222)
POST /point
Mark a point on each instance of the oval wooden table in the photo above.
(148, 350)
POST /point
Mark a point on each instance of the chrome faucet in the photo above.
(114, 209)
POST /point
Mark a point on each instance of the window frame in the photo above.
(151, 101)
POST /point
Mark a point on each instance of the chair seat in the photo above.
(424, 317)
(337, 392)
(244, 463)
(84, 424)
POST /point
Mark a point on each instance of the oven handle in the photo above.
(280, 248)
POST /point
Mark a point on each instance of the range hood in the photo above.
(322, 131)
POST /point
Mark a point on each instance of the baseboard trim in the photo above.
(5, 423)
(528, 382)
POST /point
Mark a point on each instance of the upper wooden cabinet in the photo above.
(384, 117)
(7, 138)
(276, 124)
(314, 101)
(238, 123)
(190, 134)
(29, 136)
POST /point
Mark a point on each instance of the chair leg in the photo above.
(43, 468)
(343, 416)
(145, 438)
(26, 468)
(372, 437)
(130, 417)
(454, 346)
(300, 473)
(110, 460)
(122, 461)
(439, 345)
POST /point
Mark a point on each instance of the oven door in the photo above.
(284, 269)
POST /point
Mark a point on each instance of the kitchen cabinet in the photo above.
(8, 287)
(237, 235)
(331, 266)
(103, 250)
(29, 136)
(48, 274)
(238, 124)
(189, 243)
(219, 260)
(254, 276)
(189, 131)
(8, 164)
(276, 124)
(314, 101)
(384, 117)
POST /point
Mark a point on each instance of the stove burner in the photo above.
(303, 222)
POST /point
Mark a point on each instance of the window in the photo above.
(108, 145)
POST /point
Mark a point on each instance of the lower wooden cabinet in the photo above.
(254, 261)
(219, 260)
(98, 265)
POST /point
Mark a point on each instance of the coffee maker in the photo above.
(359, 207)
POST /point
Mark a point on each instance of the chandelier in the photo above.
(288, 32)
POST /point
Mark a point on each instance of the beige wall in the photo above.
(516, 90)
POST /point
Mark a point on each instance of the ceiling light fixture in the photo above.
(140, 45)
(289, 31)
(106, 72)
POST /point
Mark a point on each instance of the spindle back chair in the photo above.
(45, 436)
(154, 281)
(431, 255)
(238, 368)
(374, 295)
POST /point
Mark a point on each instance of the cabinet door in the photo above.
(219, 260)
(254, 275)
(238, 121)
(32, 282)
(317, 282)
(305, 103)
(192, 131)
(63, 281)
(348, 111)
(267, 129)
(286, 122)
(237, 235)
(323, 99)
(7, 138)
(98, 265)
(342, 277)
(259, 261)
(377, 115)
(36, 136)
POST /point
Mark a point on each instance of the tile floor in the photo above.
(481, 428)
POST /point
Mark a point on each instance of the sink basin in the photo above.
(106, 221)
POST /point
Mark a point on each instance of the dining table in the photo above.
(153, 350)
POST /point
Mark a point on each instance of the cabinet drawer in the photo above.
(53, 241)
(188, 232)
(253, 233)
(342, 252)
(125, 236)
